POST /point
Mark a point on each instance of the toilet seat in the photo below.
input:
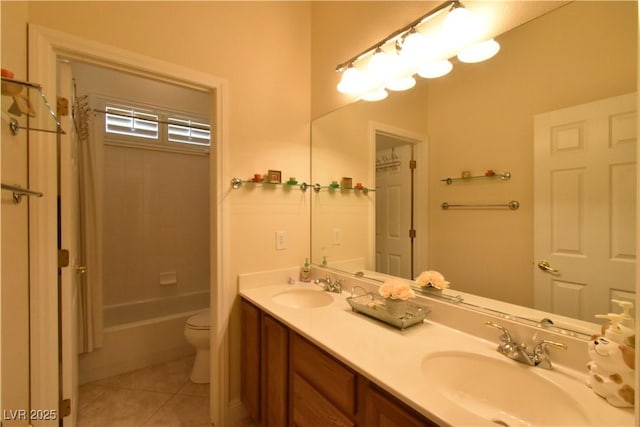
(200, 321)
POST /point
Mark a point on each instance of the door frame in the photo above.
(421, 189)
(44, 48)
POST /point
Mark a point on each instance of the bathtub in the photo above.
(140, 334)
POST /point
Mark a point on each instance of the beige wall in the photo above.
(262, 49)
(15, 273)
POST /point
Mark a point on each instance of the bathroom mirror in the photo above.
(479, 118)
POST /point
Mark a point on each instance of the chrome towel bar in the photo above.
(513, 205)
(18, 192)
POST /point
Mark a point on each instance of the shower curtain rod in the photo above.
(164, 122)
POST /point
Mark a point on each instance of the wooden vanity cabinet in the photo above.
(264, 367)
(289, 381)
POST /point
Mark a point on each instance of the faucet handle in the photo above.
(541, 357)
(542, 345)
(506, 336)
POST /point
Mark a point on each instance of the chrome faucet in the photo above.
(520, 352)
(330, 285)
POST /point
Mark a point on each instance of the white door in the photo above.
(69, 218)
(394, 252)
(584, 219)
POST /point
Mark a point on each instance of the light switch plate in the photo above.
(281, 240)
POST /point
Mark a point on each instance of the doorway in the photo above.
(400, 212)
(139, 247)
(45, 47)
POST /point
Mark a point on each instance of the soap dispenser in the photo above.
(612, 365)
(305, 271)
(627, 324)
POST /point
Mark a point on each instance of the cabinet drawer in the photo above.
(332, 379)
(311, 409)
(386, 411)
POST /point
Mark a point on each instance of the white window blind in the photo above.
(132, 122)
(186, 131)
(154, 127)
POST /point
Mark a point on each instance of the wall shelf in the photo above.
(24, 106)
(505, 176)
(237, 183)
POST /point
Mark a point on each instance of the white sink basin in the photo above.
(302, 298)
(505, 393)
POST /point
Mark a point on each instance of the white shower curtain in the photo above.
(90, 317)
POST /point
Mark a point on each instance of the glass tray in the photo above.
(374, 306)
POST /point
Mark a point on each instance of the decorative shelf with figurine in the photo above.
(273, 179)
(24, 106)
(236, 183)
(467, 176)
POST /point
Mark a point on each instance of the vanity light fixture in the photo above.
(392, 62)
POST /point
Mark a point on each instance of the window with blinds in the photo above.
(187, 131)
(155, 128)
(131, 122)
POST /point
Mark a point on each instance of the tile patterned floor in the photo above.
(157, 396)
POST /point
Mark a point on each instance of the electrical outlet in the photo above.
(337, 236)
(281, 240)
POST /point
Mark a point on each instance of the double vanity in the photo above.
(308, 359)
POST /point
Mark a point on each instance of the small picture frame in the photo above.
(346, 182)
(274, 177)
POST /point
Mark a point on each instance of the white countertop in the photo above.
(393, 358)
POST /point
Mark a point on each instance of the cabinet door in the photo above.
(312, 409)
(250, 358)
(383, 410)
(275, 367)
(327, 375)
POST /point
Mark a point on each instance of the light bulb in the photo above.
(459, 27)
(414, 47)
(479, 52)
(401, 83)
(351, 81)
(435, 69)
(378, 69)
(375, 95)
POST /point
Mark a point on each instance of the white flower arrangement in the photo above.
(397, 290)
(432, 278)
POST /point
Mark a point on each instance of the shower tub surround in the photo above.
(396, 360)
(142, 333)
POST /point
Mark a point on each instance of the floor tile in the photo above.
(89, 393)
(121, 407)
(182, 411)
(193, 389)
(165, 377)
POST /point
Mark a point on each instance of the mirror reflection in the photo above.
(485, 119)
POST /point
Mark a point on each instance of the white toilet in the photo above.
(196, 331)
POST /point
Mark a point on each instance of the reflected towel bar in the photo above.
(18, 192)
(513, 205)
